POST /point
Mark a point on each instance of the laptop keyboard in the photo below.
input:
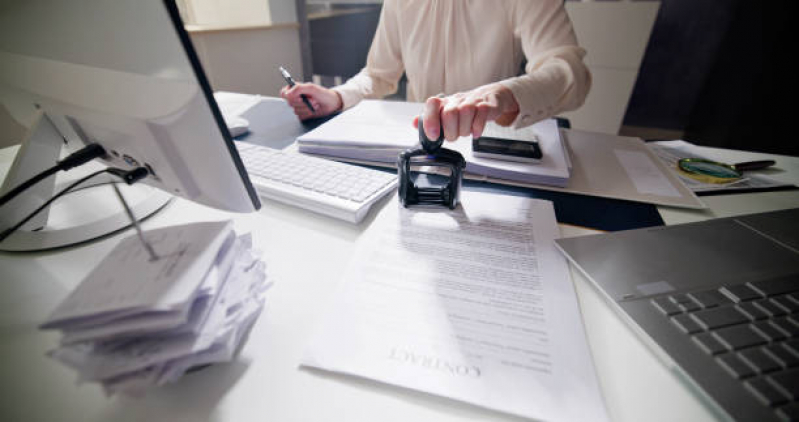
(752, 330)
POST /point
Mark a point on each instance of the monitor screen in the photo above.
(124, 74)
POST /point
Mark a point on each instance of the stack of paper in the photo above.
(377, 131)
(136, 322)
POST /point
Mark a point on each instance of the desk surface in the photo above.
(266, 382)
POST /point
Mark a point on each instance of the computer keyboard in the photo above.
(336, 189)
(752, 330)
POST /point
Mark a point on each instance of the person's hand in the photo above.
(324, 101)
(467, 113)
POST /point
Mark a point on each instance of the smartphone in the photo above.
(507, 149)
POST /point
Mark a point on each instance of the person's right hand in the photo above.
(324, 101)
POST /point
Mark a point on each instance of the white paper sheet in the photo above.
(473, 304)
(127, 279)
(645, 175)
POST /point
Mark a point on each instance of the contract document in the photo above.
(474, 304)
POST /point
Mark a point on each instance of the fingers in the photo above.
(294, 94)
(480, 120)
(466, 115)
(304, 112)
(450, 121)
(300, 95)
(431, 119)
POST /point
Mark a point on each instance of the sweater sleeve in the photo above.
(555, 79)
(384, 64)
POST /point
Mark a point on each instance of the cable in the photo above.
(129, 177)
(80, 157)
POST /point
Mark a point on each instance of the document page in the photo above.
(473, 304)
(670, 152)
(127, 280)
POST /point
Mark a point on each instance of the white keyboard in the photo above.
(336, 189)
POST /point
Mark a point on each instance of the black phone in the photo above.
(506, 149)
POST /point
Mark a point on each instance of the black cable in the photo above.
(22, 187)
(129, 177)
(80, 157)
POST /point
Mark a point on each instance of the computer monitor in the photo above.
(122, 74)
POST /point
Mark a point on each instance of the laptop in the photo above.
(718, 300)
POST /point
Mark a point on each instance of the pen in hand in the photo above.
(290, 81)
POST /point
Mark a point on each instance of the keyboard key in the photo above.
(765, 392)
(666, 306)
(769, 307)
(686, 324)
(739, 337)
(735, 366)
(786, 304)
(684, 302)
(709, 298)
(751, 311)
(719, 317)
(789, 412)
(709, 344)
(689, 306)
(775, 287)
(787, 382)
(782, 355)
(793, 346)
(785, 324)
(740, 293)
(758, 360)
(769, 331)
(680, 298)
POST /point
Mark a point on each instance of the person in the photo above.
(463, 58)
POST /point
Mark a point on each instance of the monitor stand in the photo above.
(90, 212)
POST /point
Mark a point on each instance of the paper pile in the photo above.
(136, 322)
(376, 131)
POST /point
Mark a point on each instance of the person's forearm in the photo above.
(364, 85)
(557, 83)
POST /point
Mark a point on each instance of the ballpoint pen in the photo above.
(290, 81)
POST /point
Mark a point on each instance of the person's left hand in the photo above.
(466, 113)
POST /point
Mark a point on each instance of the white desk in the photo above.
(306, 254)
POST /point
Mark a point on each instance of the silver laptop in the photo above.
(717, 299)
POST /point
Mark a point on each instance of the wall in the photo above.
(615, 34)
(241, 43)
(246, 59)
(225, 12)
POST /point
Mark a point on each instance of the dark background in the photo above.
(721, 72)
